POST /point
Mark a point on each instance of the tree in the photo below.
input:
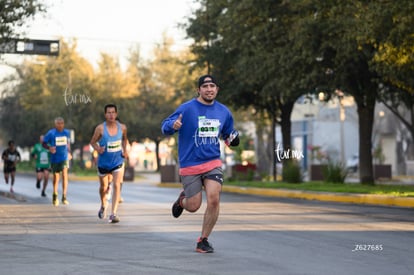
(269, 54)
(112, 81)
(14, 14)
(51, 87)
(164, 82)
(346, 37)
(254, 50)
(394, 62)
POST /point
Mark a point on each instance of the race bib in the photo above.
(44, 158)
(61, 141)
(11, 157)
(114, 146)
(208, 127)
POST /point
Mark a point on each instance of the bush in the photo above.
(291, 172)
(243, 172)
(335, 172)
(26, 166)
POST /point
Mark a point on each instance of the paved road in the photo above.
(254, 235)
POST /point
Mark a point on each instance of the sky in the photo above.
(111, 26)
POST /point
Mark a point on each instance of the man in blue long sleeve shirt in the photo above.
(200, 123)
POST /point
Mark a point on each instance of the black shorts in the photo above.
(41, 170)
(104, 171)
(58, 167)
(9, 168)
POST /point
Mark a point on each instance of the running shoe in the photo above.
(55, 200)
(38, 184)
(113, 219)
(64, 200)
(203, 246)
(177, 209)
(11, 190)
(44, 194)
(102, 212)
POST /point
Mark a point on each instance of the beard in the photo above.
(207, 99)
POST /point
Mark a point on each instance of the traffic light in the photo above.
(30, 46)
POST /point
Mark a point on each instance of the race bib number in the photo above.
(61, 141)
(114, 146)
(44, 158)
(11, 157)
(208, 127)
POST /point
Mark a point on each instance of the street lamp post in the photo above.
(342, 117)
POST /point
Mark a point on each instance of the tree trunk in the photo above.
(157, 155)
(286, 127)
(274, 141)
(366, 121)
(81, 162)
(263, 149)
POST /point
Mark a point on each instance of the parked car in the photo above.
(352, 163)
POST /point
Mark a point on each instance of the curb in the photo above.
(326, 196)
(70, 176)
(82, 178)
(369, 199)
(12, 196)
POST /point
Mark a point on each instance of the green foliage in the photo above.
(14, 14)
(78, 168)
(245, 144)
(68, 86)
(334, 172)
(283, 49)
(354, 188)
(26, 166)
(260, 63)
(378, 154)
(75, 168)
(265, 56)
(291, 172)
(51, 87)
(242, 175)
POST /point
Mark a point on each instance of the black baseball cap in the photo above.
(207, 78)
